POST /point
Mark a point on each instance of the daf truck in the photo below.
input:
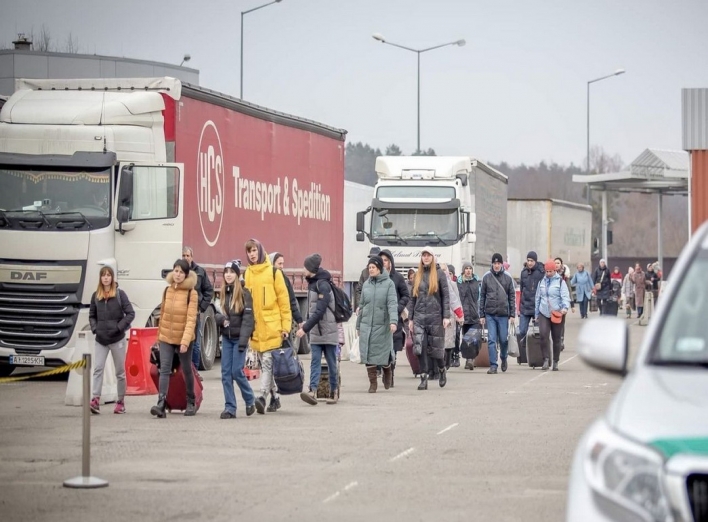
(455, 204)
(125, 173)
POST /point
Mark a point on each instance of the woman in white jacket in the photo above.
(628, 292)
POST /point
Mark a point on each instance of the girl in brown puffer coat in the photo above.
(178, 321)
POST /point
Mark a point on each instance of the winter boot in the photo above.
(273, 405)
(191, 410)
(555, 366)
(443, 377)
(455, 360)
(387, 376)
(545, 364)
(373, 385)
(469, 364)
(393, 372)
(159, 409)
(423, 382)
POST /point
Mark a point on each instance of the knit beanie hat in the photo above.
(312, 263)
(497, 258)
(377, 262)
(235, 266)
(467, 264)
(550, 265)
(532, 255)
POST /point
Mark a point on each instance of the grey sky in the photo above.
(515, 92)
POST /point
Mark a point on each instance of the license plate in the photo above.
(26, 360)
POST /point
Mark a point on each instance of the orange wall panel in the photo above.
(699, 188)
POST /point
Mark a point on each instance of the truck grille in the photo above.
(34, 321)
(697, 486)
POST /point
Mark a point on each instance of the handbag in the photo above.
(288, 372)
(513, 342)
(556, 315)
(599, 285)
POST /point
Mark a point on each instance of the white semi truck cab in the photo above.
(433, 201)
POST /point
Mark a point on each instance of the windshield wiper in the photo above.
(395, 235)
(441, 240)
(678, 362)
(88, 223)
(41, 214)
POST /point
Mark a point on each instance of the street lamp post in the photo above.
(380, 38)
(242, 15)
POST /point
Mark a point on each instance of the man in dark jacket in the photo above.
(497, 304)
(531, 275)
(603, 285)
(205, 290)
(374, 251)
(322, 327)
(468, 284)
(403, 296)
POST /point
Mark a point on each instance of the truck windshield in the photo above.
(54, 200)
(415, 226)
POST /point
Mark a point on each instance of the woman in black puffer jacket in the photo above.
(429, 314)
(110, 316)
(236, 326)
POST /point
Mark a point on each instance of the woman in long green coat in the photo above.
(377, 321)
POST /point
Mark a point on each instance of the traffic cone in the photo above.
(74, 387)
(137, 362)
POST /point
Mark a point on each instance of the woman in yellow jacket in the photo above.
(178, 320)
(273, 318)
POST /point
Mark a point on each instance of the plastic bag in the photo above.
(354, 355)
(513, 341)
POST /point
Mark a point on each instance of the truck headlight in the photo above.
(627, 473)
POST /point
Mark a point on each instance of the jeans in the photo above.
(118, 352)
(583, 307)
(167, 352)
(196, 345)
(524, 321)
(549, 330)
(498, 333)
(330, 353)
(232, 363)
(267, 378)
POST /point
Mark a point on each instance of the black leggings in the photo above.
(548, 331)
(167, 352)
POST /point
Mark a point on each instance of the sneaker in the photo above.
(492, 370)
(276, 400)
(469, 364)
(272, 406)
(120, 407)
(333, 397)
(250, 410)
(504, 365)
(260, 405)
(95, 406)
(309, 397)
(227, 415)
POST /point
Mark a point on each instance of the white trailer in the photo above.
(551, 228)
(356, 197)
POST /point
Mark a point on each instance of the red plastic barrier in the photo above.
(137, 362)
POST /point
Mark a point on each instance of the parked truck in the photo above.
(551, 228)
(124, 173)
(356, 197)
(457, 205)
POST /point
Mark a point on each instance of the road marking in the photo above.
(334, 495)
(331, 497)
(549, 371)
(448, 428)
(402, 454)
(351, 485)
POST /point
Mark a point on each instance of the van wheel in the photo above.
(210, 339)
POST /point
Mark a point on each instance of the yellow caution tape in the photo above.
(62, 369)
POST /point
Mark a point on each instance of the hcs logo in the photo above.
(210, 183)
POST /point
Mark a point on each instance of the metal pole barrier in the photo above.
(85, 480)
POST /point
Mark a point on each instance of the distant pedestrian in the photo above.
(321, 325)
(602, 285)
(530, 276)
(278, 262)
(429, 315)
(205, 290)
(497, 306)
(639, 280)
(654, 277)
(236, 326)
(373, 251)
(628, 292)
(552, 301)
(403, 296)
(582, 281)
(469, 287)
(616, 275)
(178, 319)
(457, 317)
(377, 322)
(110, 316)
(564, 272)
(272, 316)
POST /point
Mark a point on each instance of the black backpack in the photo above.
(342, 305)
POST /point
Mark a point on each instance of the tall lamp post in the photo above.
(587, 164)
(243, 13)
(380, 38)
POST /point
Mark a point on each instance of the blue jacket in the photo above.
(582, 281)
(551, 291)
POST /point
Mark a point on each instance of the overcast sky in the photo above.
(516, 92)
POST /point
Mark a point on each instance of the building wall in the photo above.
(34, 64)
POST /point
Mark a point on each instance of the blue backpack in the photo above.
(287, 370)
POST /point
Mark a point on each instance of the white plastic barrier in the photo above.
(74, 388)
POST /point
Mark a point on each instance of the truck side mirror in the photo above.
(123, 216)
(360, 223)
(360, 236)
(125, 191)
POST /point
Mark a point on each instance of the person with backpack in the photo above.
(602, 285)
(236, 326)
(468, 285)
(429, 315)
(278, 262)
(531, 275)
(377, 322)
(205, 290)
(552, 304)
(110, 316)
(178, 320)
(272, 316)
(497, 305)
(321, 325)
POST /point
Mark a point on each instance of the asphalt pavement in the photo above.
(485, 447)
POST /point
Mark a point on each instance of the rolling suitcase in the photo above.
(534, 356)
(177, 393)
(412, 357)
(593, 303)
(610, 307)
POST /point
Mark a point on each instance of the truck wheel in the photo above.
(210, 340)
(6, 370)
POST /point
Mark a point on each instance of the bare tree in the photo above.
(72, 44)
(43, 42)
